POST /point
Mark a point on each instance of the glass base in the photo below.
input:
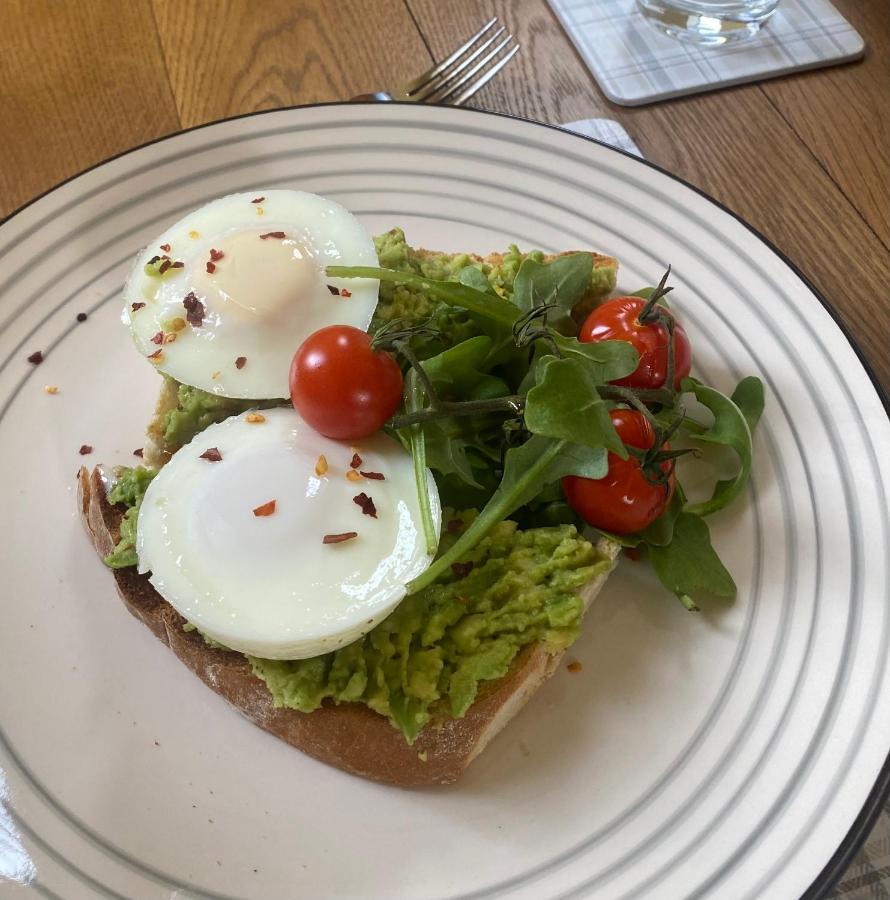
(703, 29)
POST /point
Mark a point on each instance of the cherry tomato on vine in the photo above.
(341, 385)
(618, 319)
(623, 502)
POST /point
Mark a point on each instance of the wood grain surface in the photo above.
(804, 158)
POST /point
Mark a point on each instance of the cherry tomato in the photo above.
(623, 502)
(343, 387)
(616, 319)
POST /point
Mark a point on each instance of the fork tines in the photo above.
(472, 65)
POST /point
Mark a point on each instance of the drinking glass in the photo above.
(708, 22)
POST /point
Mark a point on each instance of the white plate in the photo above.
(726, 754)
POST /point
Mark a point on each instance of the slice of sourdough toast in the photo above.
(349, 735)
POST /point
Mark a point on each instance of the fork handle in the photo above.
(376, 97)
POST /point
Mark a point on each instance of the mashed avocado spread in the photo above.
(196, 410)
(129, 489)
(431, 653)
(427, 659)
(400, 302)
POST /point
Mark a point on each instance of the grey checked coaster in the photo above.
(634, 63)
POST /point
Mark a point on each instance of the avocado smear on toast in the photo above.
(432, 652)
(429, 656)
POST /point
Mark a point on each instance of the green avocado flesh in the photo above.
(430, 655)
(196, 410)
(427, 659)
(400, 302)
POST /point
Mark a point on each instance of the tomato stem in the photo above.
(649, 312)
(512, 405)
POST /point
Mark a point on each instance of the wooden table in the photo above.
(805, 159)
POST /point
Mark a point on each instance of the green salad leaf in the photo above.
(474, 278)
(689, 564)
(565, 405)
(561, 283)
(417, 446)
(606, 360)
(731, 428)
(527, 469)
(459, 369)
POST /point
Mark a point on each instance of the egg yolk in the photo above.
(257, 276)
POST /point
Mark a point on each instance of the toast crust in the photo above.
(349, 735)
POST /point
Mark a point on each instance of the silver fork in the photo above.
(457, 78)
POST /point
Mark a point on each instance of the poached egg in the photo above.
(267, 536)
(222, 299)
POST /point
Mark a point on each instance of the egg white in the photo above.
(268, 585)
(263, 297)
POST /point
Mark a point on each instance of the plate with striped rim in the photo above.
(736, 753)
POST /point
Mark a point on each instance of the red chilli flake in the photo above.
(240, 362)
(356, 461)
(273, 234)
(156, 354)
(36, 358)
(138, 452)
(194, 309)
(216, 255)
(257, 199)
(373, 476)
(157, 338)
(177, 265)
(211, 268)
(165, 248)
(345, 293)
(461, 570)
(212, 454)
(266, 509)
(136, 306)
(85, 449)
(339, 538)
(366, 503)
(334, 290)
(164, 266)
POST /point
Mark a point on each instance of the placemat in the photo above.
(634, 63)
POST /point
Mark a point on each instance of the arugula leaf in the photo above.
(527, 470)
(458, 367)
(748, 397)
(608, 360)
(562, 282)
(417, 446)
(473, 278)
(689, 563)
(453, 293)
(731, 428)
(565, 405)
(447, 450)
